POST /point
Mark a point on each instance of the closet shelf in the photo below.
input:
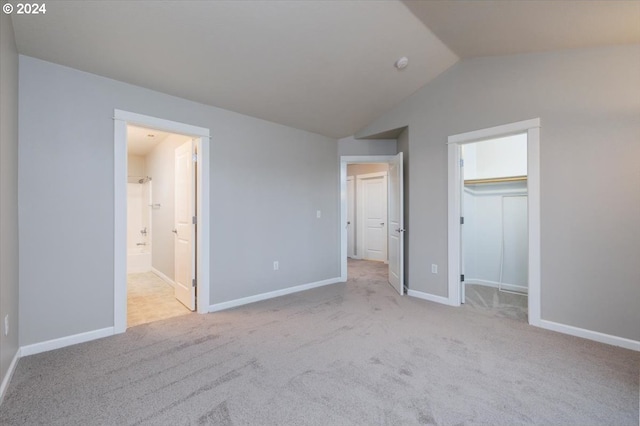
(495, 180)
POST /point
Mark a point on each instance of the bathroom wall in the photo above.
(136, 165)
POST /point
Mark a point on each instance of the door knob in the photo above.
(400, 230)
(381, 223)
(175, 231)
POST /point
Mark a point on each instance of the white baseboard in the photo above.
(270, 295)
(9, 375)
(589, 334)
(163, 277)
(62, 342)
(505, 286)
(431, 297)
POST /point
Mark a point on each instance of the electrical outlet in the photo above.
(318, 214)
(6, 325)
(276, 265)
(434, 268)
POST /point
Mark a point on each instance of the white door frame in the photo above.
(344, 161)
(455, 142)
(360, 222)
(352, 213)
(202, 135)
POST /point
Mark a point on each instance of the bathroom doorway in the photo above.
(152, 156)
(170, 229)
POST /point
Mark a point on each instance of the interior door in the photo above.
(374, 209)
(184, 241)
(396, 224)
(351, 225)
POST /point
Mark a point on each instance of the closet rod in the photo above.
(495, 180)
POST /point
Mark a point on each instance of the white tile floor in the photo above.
(149, 298)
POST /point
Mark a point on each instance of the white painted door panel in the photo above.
(351, 215)
(184, 228)
(374, 203)
(396, 224)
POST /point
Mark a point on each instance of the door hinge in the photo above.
(194, 220)
(462, 277)
(461, 162)
(461, 220)
(193, 282)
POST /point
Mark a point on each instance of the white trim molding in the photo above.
(270, 295)
(7, 378)
(622, 342)
(202, 136)
(163, 277)
(430, 297)
(496, 284)
(62, 342)
(532, 129)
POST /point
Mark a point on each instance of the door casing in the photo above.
(202, 136)
(455, 142)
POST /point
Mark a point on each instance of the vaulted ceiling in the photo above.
(319, 65)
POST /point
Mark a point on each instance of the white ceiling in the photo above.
(322, 66)
(140, 140)
(489, 27)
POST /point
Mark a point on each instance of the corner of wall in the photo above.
(9, 267)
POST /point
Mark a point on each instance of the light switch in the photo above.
(318, 214)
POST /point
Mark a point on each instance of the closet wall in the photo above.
(495, 211)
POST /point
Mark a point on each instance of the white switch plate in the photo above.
(276, 265)
(318, 214)
(434, 268)
(6, 325)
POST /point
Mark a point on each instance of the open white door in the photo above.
(185, 229)
(351, 215)
(396, 224)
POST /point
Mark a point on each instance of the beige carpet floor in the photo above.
(491, 301)
(345, 354)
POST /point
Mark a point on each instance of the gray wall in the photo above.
(352, 146)
(161, 167)
(8, 193)
(267, 181)
(589, 103)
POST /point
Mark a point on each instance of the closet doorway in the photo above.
(457, 221)
(494, 226)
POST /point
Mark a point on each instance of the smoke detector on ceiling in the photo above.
(402, 63)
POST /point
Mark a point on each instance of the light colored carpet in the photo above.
(149, 299)
(497, 303)
(345, 354)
